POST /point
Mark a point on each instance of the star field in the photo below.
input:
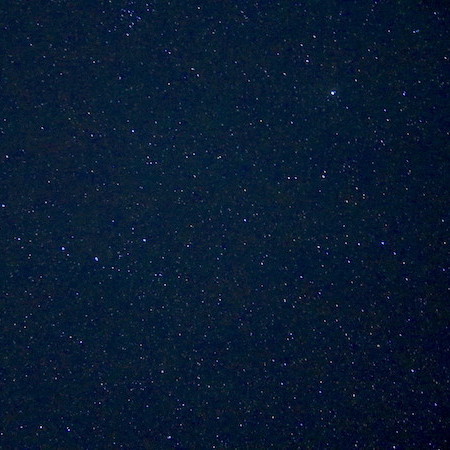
(224, 225)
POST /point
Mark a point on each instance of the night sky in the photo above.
(224, 224)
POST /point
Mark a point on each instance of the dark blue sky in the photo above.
(224, 224)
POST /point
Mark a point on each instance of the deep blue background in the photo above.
(224, 224)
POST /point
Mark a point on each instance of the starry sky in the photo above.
(224, 224)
